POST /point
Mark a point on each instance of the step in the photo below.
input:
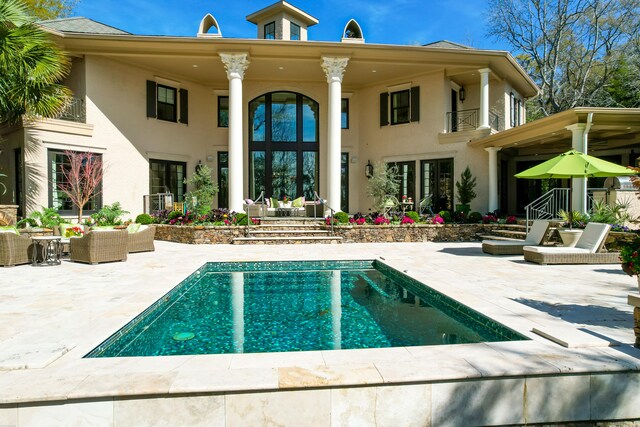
(290, 226)
(509, 232)
(288, 232)
(492, 237)
(286, 240)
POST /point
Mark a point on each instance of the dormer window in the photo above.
(294, 32)
(270, 31)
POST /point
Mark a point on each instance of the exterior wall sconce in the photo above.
(461, 94)
(368, 169)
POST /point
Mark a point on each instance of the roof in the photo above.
(446, 44)
(279, 7)
(79, 24)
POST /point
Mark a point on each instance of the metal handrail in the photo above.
(462, 120)
(548, 205)
(157, 202)
(259, 201)
(75, 111)
(319, 200)
(494, 121)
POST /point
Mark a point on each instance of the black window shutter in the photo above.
(184, 106)
(415, 104)
(151, 99)
(384, 109)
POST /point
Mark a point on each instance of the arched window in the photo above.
(283, 145)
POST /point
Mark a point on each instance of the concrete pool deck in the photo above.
(50, 317)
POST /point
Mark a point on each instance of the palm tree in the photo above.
(31, 67)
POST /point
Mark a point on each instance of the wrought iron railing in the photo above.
(75, 112)
(465, 120)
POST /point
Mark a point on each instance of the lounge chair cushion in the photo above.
(133, 227)
(593, 236)
(9, 230)
(536, 234)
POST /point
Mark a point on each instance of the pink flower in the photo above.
(407, 220)
(437, 219)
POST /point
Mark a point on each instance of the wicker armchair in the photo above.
(99, 246)
(142, 240)
(14, 249)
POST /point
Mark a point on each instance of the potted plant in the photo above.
(571, 228)
(630, 258)
(466, 191)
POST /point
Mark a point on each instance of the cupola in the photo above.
(282, 21)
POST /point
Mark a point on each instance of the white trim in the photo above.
(221, 92)
(398, 88)
(167, 82)
(74, 147)
(156, 155)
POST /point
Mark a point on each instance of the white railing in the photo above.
(548, 205)
(157, 202)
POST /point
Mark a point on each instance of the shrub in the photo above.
(381, 220)
(437, 219)
(240, 219)
(219, 216)
(630, 257)
(474, 217)
(109, 215)
(413, 215)
(489, 218)
(465, 187)
(160, 217)
(459, 217)
(204, 190)
(610, 214)
(341, 217)
(446, 216)
(144, 219)
(184, 219)
(578, 219)
(406, 220)
(46, 218)
(384, 182)
(173, 215)
(512, 220)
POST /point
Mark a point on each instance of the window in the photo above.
(270, 31)
(344, 182)
(512, 109)
(58, 163)
(400, 107)
(404, 106)
(437, 183)
(223, 179)
(519, 109)
(165, 102)
(223, 111)
(283, 145)
(167, 176)
(295, 32)
(407, 176)
(344, 116)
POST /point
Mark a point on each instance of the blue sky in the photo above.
(382, 21)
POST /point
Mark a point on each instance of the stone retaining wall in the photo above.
(356, 233)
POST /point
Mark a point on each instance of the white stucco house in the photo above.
(278, 113)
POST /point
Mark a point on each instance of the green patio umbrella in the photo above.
(574, 164)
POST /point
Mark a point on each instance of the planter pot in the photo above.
(570, 237)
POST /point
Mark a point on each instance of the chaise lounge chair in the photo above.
(14, 249)
(140, 238)
(587, 249)
(535, 237)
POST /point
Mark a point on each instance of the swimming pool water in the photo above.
(295, 306)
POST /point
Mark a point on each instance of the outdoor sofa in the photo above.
(140, 238)
(14, 249)
(535, 236)
(588, 249)
(99, 246)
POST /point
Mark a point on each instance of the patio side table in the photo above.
(46, 250)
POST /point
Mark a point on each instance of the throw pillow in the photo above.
(248, 201)
(274, 203)
(298, 203)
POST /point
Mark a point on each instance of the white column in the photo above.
(235, 64)
(336, 309)
(578, 185)
(484, 98)
(237, 304)
(334, 70)
(493, 178)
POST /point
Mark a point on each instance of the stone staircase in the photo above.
(282, 231)
(517, 232)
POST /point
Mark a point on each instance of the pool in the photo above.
(254, 307)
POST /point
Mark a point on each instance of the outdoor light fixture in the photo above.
(368, 169)
(461, 94)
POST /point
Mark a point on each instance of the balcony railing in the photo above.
(75, 112)
(466, 120)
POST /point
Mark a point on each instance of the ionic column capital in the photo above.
(235, 64)
(492, 149)
(334, 68)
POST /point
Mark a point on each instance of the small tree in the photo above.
(81, 178)
(383, 183)
(204, 189)
(465, 187)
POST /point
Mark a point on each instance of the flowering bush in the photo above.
(186, 218)
(357, 221)
(512, 220)
(437, 219)
(489, 219)
(620, 228)
(329, 220)
(407, 220)
(380, 220)
(630, 257)
(75, 231)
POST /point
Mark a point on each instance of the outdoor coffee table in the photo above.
(46, 250)
(285, 211)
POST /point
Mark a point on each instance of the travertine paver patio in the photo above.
(51, 317)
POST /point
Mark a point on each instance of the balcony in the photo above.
(468, 120)
(76, 111)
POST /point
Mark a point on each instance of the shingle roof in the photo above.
(446, 44)
(80, 25)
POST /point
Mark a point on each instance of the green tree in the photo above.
(50, 9)
(383, 183)
(466, 187)
(570, 47)
(31, 67)
(204, 189)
